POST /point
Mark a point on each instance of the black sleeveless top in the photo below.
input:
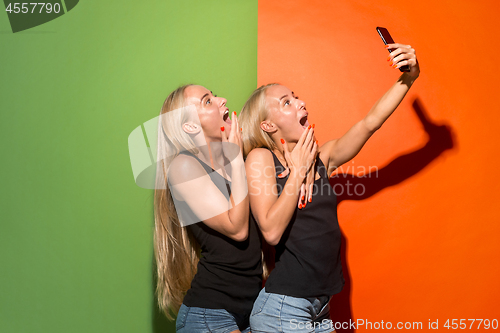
(308, 254)
(229, 273)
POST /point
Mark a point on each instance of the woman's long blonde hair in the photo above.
(176, 251)
(253, 113)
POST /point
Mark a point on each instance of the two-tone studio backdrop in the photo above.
(420, 242)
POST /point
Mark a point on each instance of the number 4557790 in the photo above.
(463, 324)
(25, 7)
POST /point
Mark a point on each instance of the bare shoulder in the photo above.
(260, 155)
(258, 163)
(183, 168)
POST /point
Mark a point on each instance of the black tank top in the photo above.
(308, 254)
(229, 274)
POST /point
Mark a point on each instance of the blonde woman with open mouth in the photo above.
(278, 140)
(208, 255)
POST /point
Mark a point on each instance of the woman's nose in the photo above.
(222, 101)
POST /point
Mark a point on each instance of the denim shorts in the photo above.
(287, 314)
(201, 320)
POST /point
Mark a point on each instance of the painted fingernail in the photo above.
(234, 113)
(388, 58)
(310, 199)
(280, 175)
(386, 46)
(314, 125)
(282, 141)
(300, 206)
(302, 199)
(309, 127)
(317, 142)
(241, 129)
(222, 128)
(395, 65)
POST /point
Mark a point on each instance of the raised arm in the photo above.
(340, 151)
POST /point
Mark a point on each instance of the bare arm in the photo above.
(345, 148)
(208, 203)
(271, 212)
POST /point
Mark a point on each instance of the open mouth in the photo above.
(303, 121)
(225, 117)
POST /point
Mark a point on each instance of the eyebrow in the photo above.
(203, 97)
(283, 97)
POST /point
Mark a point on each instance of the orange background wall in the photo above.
(423, 241)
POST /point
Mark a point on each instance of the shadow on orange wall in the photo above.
(360, 186)
(440, 138)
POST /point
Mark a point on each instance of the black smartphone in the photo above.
(387, 39)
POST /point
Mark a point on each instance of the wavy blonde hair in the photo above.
(176, 251)
(253, 113)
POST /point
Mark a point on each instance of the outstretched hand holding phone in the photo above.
(345, 148)
(401, 56)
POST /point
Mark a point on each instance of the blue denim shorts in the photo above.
(287, 314)
(201, 320)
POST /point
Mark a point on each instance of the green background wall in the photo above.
(76, 249)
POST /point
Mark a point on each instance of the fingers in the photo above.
(317, 149)
(310, 135)
(235, 123)
(403, 59)
(233, 134)
(401, 55)
(311, 151)
(303, 136)
(411, 63)
(284, 173)
(237, 130)
(302, 194)
(309, 140)
(306, 140)
(312, 155)
(397, 47)
(309, 185)
(307, 188)
(223, 133)
(310, 190)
